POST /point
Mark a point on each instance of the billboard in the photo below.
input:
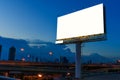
(83, 25)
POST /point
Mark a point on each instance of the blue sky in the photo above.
(37, 19)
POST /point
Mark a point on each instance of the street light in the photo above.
(23, 59)
(68, 74)
(50, 53)
(28, 56)
(22, 50)
(40, 75)
(51, 56)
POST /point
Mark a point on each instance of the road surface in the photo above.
(103, 77)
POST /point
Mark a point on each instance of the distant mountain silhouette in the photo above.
(96, 58)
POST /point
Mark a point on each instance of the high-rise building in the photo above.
(12, 52)
(0, 51)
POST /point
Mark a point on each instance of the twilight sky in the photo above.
(37, 19)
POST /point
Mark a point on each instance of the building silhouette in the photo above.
(12, 52)
(0, 51)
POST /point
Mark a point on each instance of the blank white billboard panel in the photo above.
(85, 22)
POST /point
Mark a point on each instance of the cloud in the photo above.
(42, 48)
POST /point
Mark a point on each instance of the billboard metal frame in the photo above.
(81, 39)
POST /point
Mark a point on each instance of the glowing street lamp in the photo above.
(23, 59)
(40, 75)
(51, 56)
(22, 49)
(50, 53)
(28, 56)
(68, 74)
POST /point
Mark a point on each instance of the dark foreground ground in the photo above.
(103, 77)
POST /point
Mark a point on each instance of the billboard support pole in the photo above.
(78, 61)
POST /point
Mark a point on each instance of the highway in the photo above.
(31, 69)
(35, 67)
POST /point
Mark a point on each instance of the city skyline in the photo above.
(37, 20)
(46, 52)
